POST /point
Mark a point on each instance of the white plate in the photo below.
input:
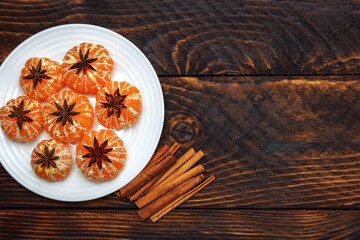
(129, 65)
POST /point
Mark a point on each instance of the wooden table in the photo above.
(269, 90)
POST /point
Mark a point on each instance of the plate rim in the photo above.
(147, 62)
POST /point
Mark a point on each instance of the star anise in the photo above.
(37, 74)
(97, 153)
(84, 62)
(114, 103)
(47, 159)
(19, 113)
(65, 112)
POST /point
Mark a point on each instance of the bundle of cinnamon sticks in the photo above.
(165, 182)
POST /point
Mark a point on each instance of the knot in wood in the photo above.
(185, 129)
(183, 132)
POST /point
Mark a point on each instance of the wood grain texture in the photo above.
(271, 144)
(184, 224)
(209, 37)
(281, 135)
(13, 195)
(284, 144)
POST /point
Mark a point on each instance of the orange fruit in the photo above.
(51, 160)
(41, 77)
(100, 155)
(67, 116)
(87, 67)
(117, 105)
(21, 119)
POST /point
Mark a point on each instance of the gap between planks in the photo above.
(259, 75)
(77, 208)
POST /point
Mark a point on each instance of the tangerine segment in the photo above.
(18, 127)
(129, 108)
(81, 77)
(112, 155)
(49, 78)
(61, 159)
(67, 116)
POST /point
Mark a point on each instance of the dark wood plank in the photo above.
(285, 144)
(209, 37)
(13, 195)
(279, 144)
(184, 224)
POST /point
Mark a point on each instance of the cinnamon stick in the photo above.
(143, 189)
(160, 203)
(186, 166)
(163, 153)
(178, 164)
(117, 193)
(181, 199)
(154, 159)
(141, 179)
(157, 155)
(173, 149)
(152, 195)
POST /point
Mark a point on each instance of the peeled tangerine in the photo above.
(87, 67)
(100, 155)
(21, 119)
(51, 160)
(68, 116)
(41, 77)
(118, 105)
